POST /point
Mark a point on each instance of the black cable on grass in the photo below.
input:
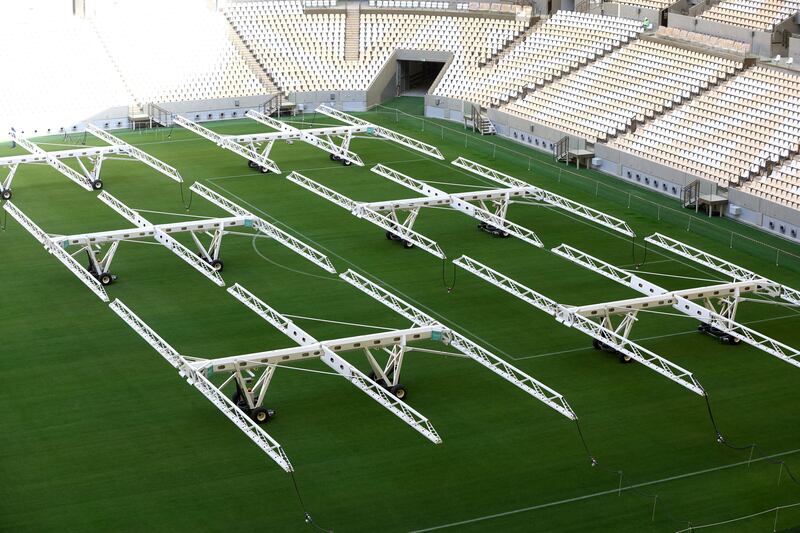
(5, 220)
(752, 447)
(633, 253)
(186, 206)
(306, 514)
(592, 458)
(444, 277)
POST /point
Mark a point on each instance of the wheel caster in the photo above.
(374, 378)
(346, 162)
(596, 344)
(264, 170)
(217, 265)
(703, 328)
(97, 185)
(504, 235)
(261, 415)
(6, 194)
(106, 279)
(252, 164)
(625, 359)
(334, 157)
(389, 235)
(399, 391)
(408, 244)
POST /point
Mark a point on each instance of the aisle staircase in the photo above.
(249, 56)
(352, 31)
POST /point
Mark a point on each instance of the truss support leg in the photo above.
(249, 396)
(408, 223)
(623, 330)
(388, 376)
(5, 185)
(211, 253)
(93, 176)
(100, 266)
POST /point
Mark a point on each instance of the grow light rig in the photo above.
(90, 160)
(256, 147)
(489, 207)
(101, 247)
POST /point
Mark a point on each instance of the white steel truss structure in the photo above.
(787, 294)
(90, 160)
(605, 336)
(395, 230)
(519, 188)
(717, 313)
(101, 247)
(461, 344)
(382, 132)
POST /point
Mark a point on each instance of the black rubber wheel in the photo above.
(217, 265)
(374, 378)
(261, 415)
(408, 244)
(106, 279)
(6, 194)
(625, 359)
(97, 185)
(265, 170)
(252, 164)
(346, 162)
(334, 157)
(702, 328)
(504, 235)
(399, 391)
(596, 344)
(389, 235)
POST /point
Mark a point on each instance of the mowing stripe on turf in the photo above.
(604, 492)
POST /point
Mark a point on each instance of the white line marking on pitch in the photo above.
(603, 493)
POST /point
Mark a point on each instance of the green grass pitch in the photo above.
(98, 433)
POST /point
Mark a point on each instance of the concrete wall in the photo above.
(760, 41)
(632, 12)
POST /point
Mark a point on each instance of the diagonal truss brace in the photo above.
(787, 294)
(326, 144)
(270, 230)
(510, 373)
(392, 226)
(459, 202)
(260, 437)
(72, 174)
(547, 197)
(382, 132)
(135, 153)
(248, 153)
(163, 238)
(585, 325)
(682, 301)
(59, 253)
(395, 405)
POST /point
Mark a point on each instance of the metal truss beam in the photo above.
(327, 353)
(508, 372)
(323, 144)
(567, 317)
(70, 173)
(363, 211)
(261, 225)
(547, 197)
(681, 300)
(788, 294)
(380, 131)
(229, 144)
(191, 258)
(136, 153)
(104, 237)
(290, 135)
(87, 151)
(59, 253)
(260, 437)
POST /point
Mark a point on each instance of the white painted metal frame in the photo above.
(248, 152)
(320, 137)
(393, 226)
(510, 373)
(67, 260)
(382, 132)
(94, 156)
(787, 294)
(615, 338)
(542, 195)
(199, 381)
(264, 227)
